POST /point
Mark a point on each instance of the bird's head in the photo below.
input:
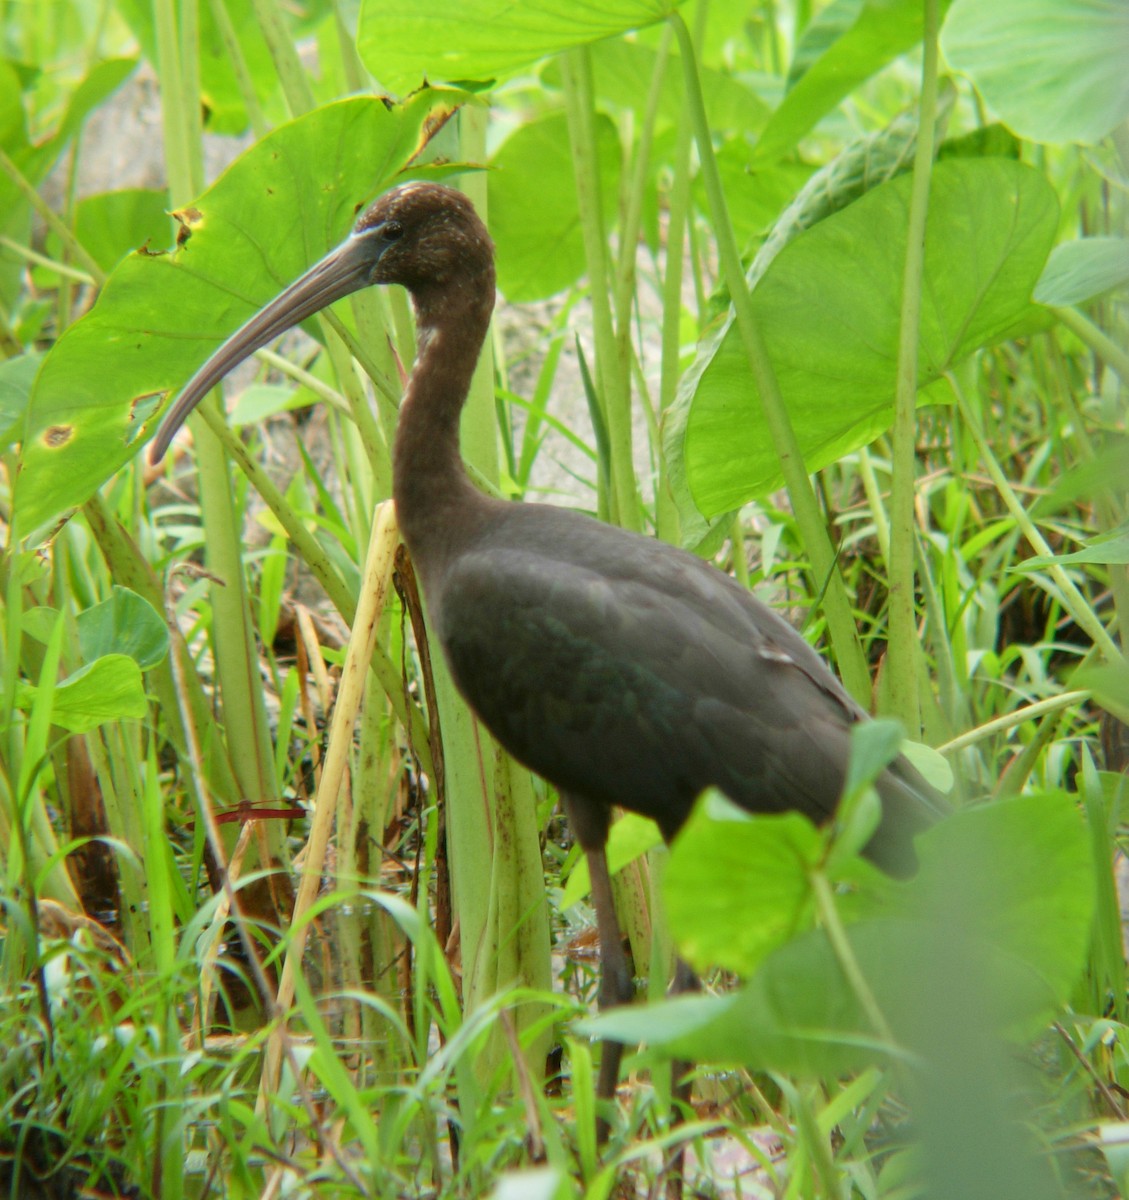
(424, 236)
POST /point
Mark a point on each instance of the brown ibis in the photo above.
(622, 670)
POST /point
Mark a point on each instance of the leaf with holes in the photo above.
(275, 211)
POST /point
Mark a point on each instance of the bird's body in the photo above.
(622, 670)
(628, 672)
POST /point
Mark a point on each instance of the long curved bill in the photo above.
(344, 270)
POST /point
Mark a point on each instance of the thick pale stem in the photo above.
(612, 380)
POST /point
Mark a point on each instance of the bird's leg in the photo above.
(617, 985)
(685, 980)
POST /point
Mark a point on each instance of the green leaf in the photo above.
(108, 689)
(1053, 70)
(1109, 685)
(278, 209)
(1080, 270)
(13, 120)
(796, 1015)
(854, 171)
(36, 160)
(126, 623)
(534, 218)
(1109, 551)
(622, 72)
(754, 195)
(39, 622)
(1006, 891)
(405, 44)
(220, 94)
(631, 836)
(258, 402)
(737, 887)
(1102, 475)
(16, 378)
(1021, 870)
(874, 745)
(112, 224)
(853, 40)
(931, 764)
(829, 309)
(99, 84)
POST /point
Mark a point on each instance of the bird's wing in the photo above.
(640, 678)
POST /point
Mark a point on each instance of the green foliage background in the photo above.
(843, 290)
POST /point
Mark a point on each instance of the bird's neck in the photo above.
(430, 485)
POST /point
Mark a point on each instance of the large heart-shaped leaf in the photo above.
(534, 214)
(1054, 70)
(405, 44)
(268, 217)
(829, 311)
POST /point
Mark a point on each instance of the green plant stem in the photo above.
(361, 412)
(285, 366)
(840, 943)
(667, 522)
(128, 567)
(1020, 717)
(304, 541)
(193, 114)
(168, 1165)
(1076, 604)
(1098, 341)
(245, 718)
(113, 760)
(54, 223)
(953, 701)
(291, 74)
(356, 77)
(900, 690)
(667, 519)
(235, 57)
(873, 493)
(612, 380)
(386, 384)
(632, 216)
(1108, 503)
(42, 260)
(311, 552)
(840, 620)
(478, 433)
(182, 159)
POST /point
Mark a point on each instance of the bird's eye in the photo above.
(392, 231)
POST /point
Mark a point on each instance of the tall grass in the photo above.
(278, 915)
